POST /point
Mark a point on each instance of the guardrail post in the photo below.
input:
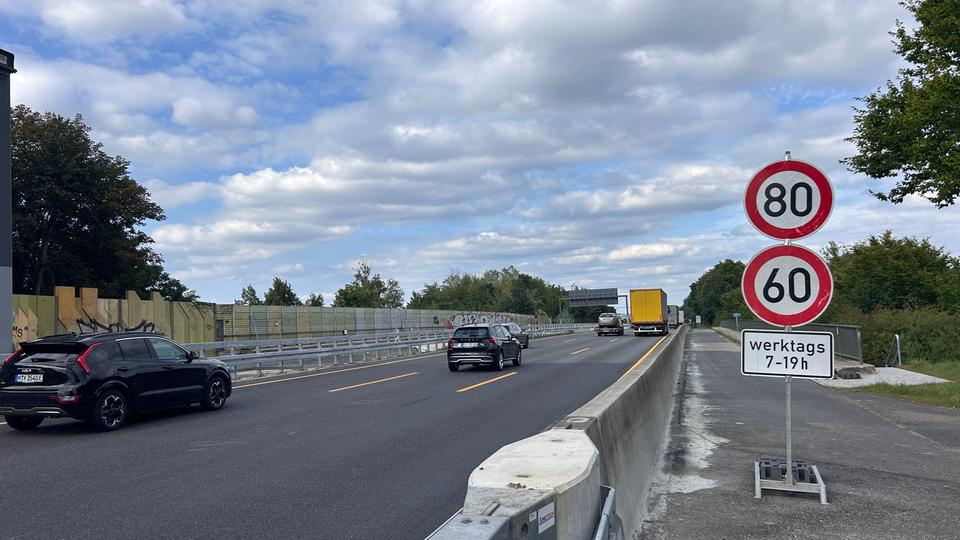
(259, 369)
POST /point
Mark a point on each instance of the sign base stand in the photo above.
(771, 473)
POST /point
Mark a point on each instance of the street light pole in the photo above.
(6, 207)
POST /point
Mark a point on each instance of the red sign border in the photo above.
(808, 228)
(797, 319)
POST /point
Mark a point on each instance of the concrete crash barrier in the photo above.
(615, 439)
(543, 487)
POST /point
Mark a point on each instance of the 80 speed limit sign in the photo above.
(787, 285)
(788, 199)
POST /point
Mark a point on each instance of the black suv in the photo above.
(522, 336)
(103, 378)
(482, 345)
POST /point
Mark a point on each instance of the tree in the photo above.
(712, 296)
(893, 273)
(171, 289)
(590, 314)
(911, 129)
(507, 289)
(281, 294)
(77, 213)
(315, 300)
(248, 296)
(369, 291)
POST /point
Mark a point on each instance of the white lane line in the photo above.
(614, 339)
(569, 340)
(580, 351)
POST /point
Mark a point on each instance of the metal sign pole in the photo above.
(789, 427)
(6, 206)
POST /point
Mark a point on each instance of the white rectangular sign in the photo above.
(774, 353)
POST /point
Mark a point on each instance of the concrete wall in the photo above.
(627, 424)
(239, 322)
(82, 311)
(67, 311)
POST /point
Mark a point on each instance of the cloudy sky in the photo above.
(601, 143)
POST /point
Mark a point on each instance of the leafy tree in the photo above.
(77, 213)
(911, 129)
(369, 291)
(315, 300)
(894, 273)
(712, 296)
(507, 289)
(590, 314)
(171, 289)
(281, 294)
(248, 296)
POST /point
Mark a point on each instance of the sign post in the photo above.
(787, 285)
(6, 207)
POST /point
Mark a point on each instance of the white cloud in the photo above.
(173, 195)
(103, 21)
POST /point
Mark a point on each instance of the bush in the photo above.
(926, 334)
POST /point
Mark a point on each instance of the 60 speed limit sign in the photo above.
(787, 285)
(788, 199)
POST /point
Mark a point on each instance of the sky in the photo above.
(591, 143)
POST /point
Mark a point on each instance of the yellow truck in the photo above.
(648, 311)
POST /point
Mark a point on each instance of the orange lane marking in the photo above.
(372, 382)
(495, 379)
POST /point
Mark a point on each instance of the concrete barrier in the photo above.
(625, 424)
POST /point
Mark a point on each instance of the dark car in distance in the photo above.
(482, 345)
(522, 336)
(104, 378)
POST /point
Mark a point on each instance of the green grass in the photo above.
(943, 395)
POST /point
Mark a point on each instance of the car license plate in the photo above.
(29, 378)
(465, 345)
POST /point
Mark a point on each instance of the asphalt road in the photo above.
(378, 451)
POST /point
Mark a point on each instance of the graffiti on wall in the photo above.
(93, 326)
(463, 318)
(24, 325)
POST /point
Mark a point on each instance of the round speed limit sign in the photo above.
(788, 199)
(787, 285)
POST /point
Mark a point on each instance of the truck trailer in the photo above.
(673, 314)
(648, 311)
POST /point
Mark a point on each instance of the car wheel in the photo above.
(215, 394)
(516, 361)
(453, 366)
(499, 365)
(111, 411)
(23, 423)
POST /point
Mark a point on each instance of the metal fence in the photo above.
(846, 338)
(258, 358)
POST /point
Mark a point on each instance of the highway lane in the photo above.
(381, 451)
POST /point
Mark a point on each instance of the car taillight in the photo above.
(66, 400)
(490, 340)
(450, 342)
(82, 359)
(12, 357)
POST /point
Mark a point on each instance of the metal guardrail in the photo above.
(846, 337)
(301, 354)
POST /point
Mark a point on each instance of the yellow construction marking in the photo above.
(644, 357)
(580, 351)
(337, 371)
(373, 382)
(495, 379)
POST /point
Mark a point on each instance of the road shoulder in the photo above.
(892, 469)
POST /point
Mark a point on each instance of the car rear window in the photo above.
(472, 332)
(56, 354)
